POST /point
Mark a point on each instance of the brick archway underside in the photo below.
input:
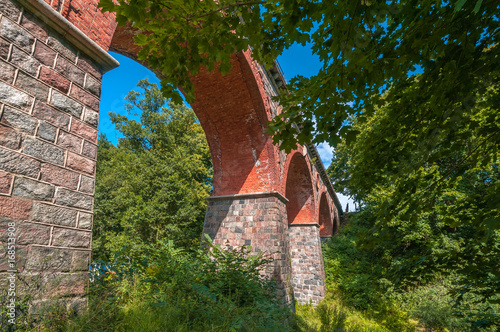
(326, 225)
(299, 192)
(233, 115)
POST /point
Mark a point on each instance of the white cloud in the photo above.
(344, 200)
(325, 153)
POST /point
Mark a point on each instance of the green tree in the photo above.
(151, 187)
(442, 217)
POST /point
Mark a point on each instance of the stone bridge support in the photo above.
(52, 58)
(50, 85)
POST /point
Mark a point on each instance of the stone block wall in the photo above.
(49, 105)
(308, 274)
(256, 220)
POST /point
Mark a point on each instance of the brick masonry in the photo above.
(49, 104)
(50, 89)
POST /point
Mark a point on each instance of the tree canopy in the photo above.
(365, 48)
(441, 217)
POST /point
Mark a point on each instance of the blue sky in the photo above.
(297, 60)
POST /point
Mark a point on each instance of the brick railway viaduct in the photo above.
(53, 54)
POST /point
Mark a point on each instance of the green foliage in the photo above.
(177, 290)
(365, 47)
(442, 216)
(357, 277)
(333, 315)
(151, 186)
(361, 279)
(433, 306)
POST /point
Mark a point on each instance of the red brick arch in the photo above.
(325, 219)
(233, 112)
(299, 191)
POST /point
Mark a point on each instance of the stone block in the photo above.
(85, 131)
(17, 163)
(19, 263)
(44, 112)
(5, 182)
(35, 26)
(74, 199)
(84, 97)
(10, 9)
(49, 259)
(15, 33)
(87, 185)
(49, 291)
(63, 237)
(55, 215)
(47, 131)
(24, 61)
(67, 284)
(62, 47)
(81, 164)
(32, 86)
(77, 305)
(67, 69)
(69, 141)
(19, 120)
(66, 104)
(81, 261)
(91, 117)
(25, 187)
(93, 86)
(59, 176)
(88, 65)
(15, 97)
(4, 48)
(15, 208)
(28, 233)
(85, 220)
(54, 79)
(89, 150)
(7, 71)
(9, 137)
(44, 54)
(42, 150)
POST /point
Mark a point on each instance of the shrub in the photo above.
(176, 290)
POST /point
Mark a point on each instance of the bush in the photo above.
(176, 290)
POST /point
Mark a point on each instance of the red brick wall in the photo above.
(325, 218)
(87, 17)
(234, 120)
